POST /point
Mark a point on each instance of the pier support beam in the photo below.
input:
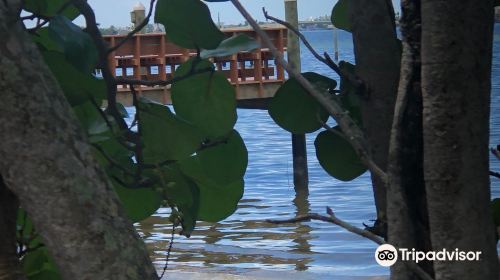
(300, 172)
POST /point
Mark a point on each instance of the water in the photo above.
(244, 244)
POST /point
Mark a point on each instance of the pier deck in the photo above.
(153, 57)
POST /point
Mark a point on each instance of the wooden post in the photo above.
(280, 72)
(162, 68)
(336, 43)
(300, 172)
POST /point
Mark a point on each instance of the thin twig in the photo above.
(334, 220)
(168, 251)
(326, 59)
(349, 127)
(136, 29)
(495, 174)
(304, 40)
(331, 218)
(331, 129)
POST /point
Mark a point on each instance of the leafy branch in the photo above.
(354, 134)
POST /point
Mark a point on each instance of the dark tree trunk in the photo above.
(47, 163)
(408, 224)
(9, 262)
(456, 84)
(378, 55)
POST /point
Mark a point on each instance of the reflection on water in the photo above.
(245, 244)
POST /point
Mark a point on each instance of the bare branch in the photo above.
(349, 127)
(495, 174)
(304, 40)
(331, 218)
(326, 59)
(136, 29)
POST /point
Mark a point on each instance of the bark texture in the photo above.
(9, 262)
(456, 83)
(408, 225)
(377, 52)
(47, 163)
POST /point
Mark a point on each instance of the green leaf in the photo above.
(216, 201)
(77, 45)
(165, 136)
(337, 157)
(77, 86)
(183, 193)
(206, 100)
(232, 45)
(188, 23)
(44, 41)
(38, 265)
(225, 162)
(122, 110)
(49, 8)
(90, 118)
(138, 203)
(33, 262)
(295, 110)
(349, 93)
(340, 15)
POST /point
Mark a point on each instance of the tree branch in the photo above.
(326, 59)
(136, 29)
(346, 123)
(495, 174)
(331, 218)
(95, 34)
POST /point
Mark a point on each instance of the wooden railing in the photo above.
(154, 57)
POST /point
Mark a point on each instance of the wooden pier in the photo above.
(153, 57)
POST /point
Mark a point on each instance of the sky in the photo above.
(117, 12)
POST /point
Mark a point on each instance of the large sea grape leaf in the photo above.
(78, 87)
(206, 100)
(138, 203)
(188, 24)
(337, 157)
(49, 8)
(232, 45)
(181, 192)
(340, 15)
(295, 110)
(78, 46)
(165, 136)
(225, 162)
(216, 201)
(349, 93)
(90, 119)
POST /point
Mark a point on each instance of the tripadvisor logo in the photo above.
(387, 255)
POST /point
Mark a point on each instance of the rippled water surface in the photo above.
(244, 244)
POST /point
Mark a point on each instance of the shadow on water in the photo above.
(210, 244)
